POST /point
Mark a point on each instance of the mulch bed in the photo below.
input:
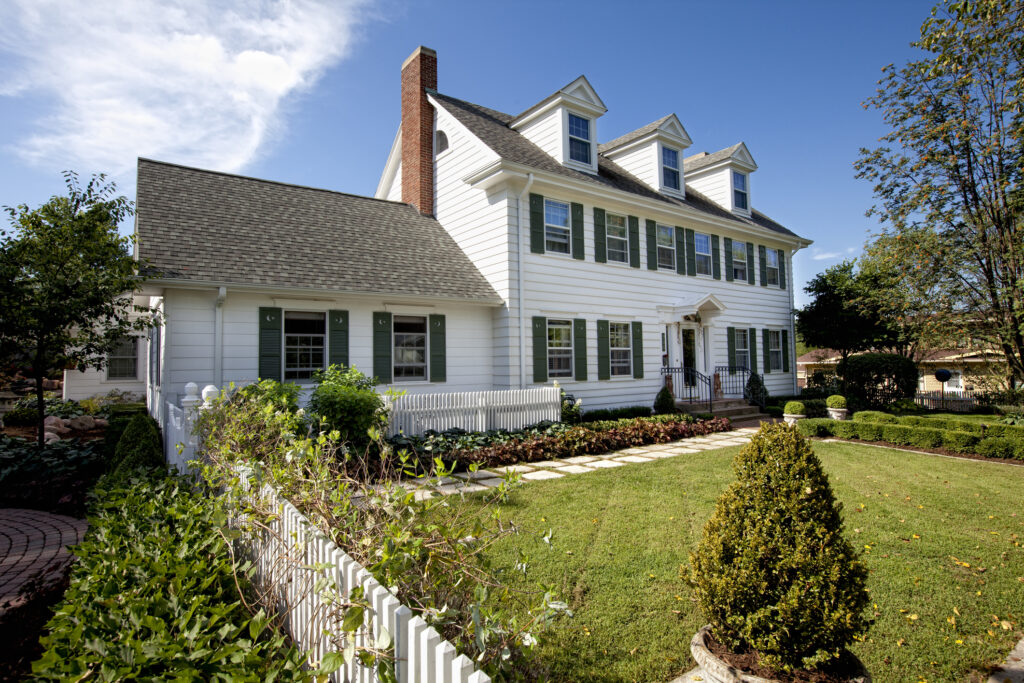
(841, 670)
(933, 451)
(31, 433)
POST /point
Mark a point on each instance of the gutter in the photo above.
(218, 337)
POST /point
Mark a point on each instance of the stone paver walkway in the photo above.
(32, 543)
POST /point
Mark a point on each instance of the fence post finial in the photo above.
(210, 392)
(556, 384)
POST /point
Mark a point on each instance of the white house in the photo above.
(501, 251)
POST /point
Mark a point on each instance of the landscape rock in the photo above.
(50, 437)
(53, 420)
(101, 422)
(82, 423)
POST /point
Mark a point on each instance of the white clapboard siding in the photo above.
(305, 573)
(474, 411)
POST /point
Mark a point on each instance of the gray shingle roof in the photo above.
(635, 135)
(698, 161)
(492, 128)
(200, 225)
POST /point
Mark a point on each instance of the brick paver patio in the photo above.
(33, 543)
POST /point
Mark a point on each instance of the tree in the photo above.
(66, 282)
(948, 178)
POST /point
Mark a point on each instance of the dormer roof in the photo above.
(578, 95)
(737, 155)
(668, 128)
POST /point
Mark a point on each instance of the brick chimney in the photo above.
(419, 73)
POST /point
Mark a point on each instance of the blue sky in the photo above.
(307, 91)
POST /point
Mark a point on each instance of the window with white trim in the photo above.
(556, 227)
(739, 190)
(739, 261)
(670, 168)
(559, 348)
(771, 261)
(956, 380)
(619, 339)
(702, 250)
(775, 350)
(123, 360)
(666, 247)
(616, 238)
(410, 348)
(305, 336)
(742, 354)
(579, 139)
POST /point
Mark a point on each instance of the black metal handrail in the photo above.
(690, 386)
(735, 381)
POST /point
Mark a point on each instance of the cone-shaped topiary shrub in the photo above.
(773, 571)
(138, 447)
(664, 402)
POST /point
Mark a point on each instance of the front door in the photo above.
(689, 356)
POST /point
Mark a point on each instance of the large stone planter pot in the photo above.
(717, 671)
(838, 413)
(792, 419)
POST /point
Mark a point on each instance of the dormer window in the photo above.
(670, 168)
(739, 190)
(579, 139)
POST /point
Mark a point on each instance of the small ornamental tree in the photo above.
(773, 571)
(878, 379)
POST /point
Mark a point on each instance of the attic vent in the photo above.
(440, 142)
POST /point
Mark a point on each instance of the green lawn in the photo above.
(943, 539)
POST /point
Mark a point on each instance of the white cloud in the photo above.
(182, 80)
(825, 255)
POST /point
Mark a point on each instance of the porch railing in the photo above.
(690, 386)
(737, 381)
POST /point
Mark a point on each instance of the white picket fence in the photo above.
(308, 576)
(955, 400)
(474, 411)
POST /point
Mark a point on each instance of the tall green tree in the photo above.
(66, 282)
(948, 176)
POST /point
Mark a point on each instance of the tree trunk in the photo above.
(40, 408)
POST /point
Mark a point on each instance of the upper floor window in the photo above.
(556, 226)
(123, 360)
(579, 139)
(616, 238)
(666, 247)
(702, 250)
(304, 337)
(739, 190)
(410, 348)
(559, 348)
(739, 260)
(619, 345)
(742, 354)
(670, 168)
(772, 266)
(774, 350)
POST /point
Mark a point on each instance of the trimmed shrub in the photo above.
(1009, 431)
(869, 431)
(835, 401)
(898, 435)
(996, 447)
(776, 536)
(878, 379)
(815, 426)
(1018, 449)
(628, 412)
(774, 411)
(794, 408)
(960, 442)
(874, 416)
(664, 402)
(139, 447)
(284, 394)
(344, 399)
(844, 430)
(904, 406)
(925, 437)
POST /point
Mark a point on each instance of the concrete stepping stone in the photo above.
(575, 469)
(633, 451)
(634, 458)
(603, 464)
(549, 463)
(513, 468)
(580, 459)
(474, 476)
(491, 483)
(541, 474)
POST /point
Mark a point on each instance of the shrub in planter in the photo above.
(874, 416)
(869, 431)
(139, 447)
(960, 442)
(836, 401)
(996, 447)
(664, 402)
(794, 408)
(878, 379)
(844, 430)
(773, 571)
(344, 399)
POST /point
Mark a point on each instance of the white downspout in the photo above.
(218, 338)
(519, 282)
(792, 327)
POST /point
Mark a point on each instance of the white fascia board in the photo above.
(387, 179)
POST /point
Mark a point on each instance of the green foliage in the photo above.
(878, 379)
(571, 409)
(139, 447)
(874, 416)
(664, 402)
(925, 437)
(23, 412)
(836, 401)
(602, 414)
(843, 429)
(153, 596)
(997, 447)
(960, 442)
(815, 426)
(794, 408)
(813, 407)
(905, 406)
(898, 435)
(22, 462)
(773, 411)
(344, 400)
(869, 431)
(773, 571)
(283, 394)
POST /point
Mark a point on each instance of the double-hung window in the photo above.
(579, 139)
(956, 380)
(742, 356)
(559, 348)
(670, 168)
(556, 226)
(702, 249)
(771, 260)
(666, 247)
(775, 350)
(305, 334)
(616, 238)
(739, 190)
(739, 261)
(410, 351)
(620, 350)
(123, 360)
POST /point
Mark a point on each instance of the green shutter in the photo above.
(600, 237)
(536, 223)
(785, 350)
(652, 245)
(271, 337)
(604, 356)
(438, 353)
(782, 269)
(576, 215)
(764, 265)
(716, 259)
(730, 340)
(638, 350)
(337, 337)
(691, 254)
(540, 348)
(579, 348)
(750, 263)
(728, 258)
(752, 336)
(767, 343)
(382, 347)
(634, 241)
(679, 234)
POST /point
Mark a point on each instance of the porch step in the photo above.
(737, 410)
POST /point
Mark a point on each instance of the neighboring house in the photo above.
(502, 251)
(970, 369)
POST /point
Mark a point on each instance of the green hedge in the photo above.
(874, 416)
(908, 433)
